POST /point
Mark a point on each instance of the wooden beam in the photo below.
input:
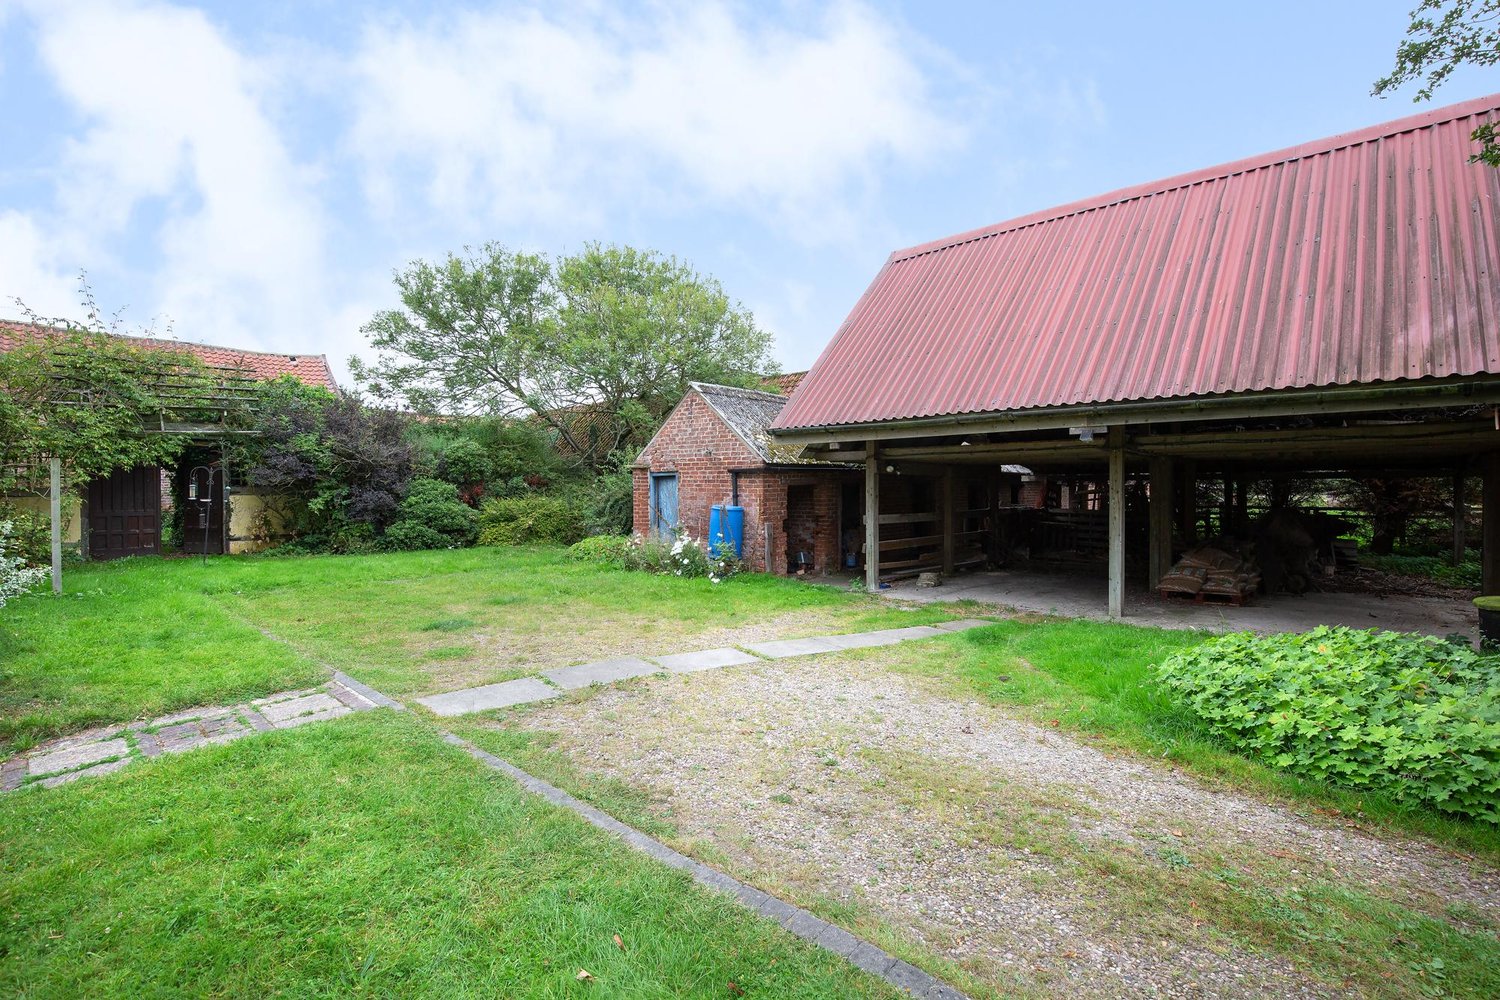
(1491, 538)
(1459, 517)
(56, 512)
(872, 517)
(1161, 519)
(1461, 391)
(1117, 522)
(949, 503)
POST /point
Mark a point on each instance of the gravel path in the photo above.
(846, 781)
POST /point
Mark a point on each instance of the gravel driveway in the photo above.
(1035, 863)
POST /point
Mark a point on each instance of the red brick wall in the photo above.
(812, 525)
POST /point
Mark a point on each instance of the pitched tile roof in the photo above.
(310, 369)
(749, 413)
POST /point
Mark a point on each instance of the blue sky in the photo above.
(252, 173)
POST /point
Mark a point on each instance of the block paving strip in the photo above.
(552, 683)
(810, 928)
(110, 748)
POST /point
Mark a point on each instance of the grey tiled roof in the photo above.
(749, 413)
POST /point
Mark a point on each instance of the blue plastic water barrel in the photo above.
(726, 526)
(734, 517)
(716, 530)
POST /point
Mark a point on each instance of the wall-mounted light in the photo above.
(1084, 434)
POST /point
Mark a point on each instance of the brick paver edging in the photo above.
(815, 930)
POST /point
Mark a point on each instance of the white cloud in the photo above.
(32, 270)
(523, 115)
(177, 140)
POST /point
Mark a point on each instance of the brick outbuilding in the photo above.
(807, 516)
(713, 449)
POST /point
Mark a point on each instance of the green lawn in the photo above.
(142, 637)
(1095, 678)
(361, 857)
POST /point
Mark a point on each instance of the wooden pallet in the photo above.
(1233, 600)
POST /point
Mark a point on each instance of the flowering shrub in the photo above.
(681, 555)
(15, 576)
(1414, 717)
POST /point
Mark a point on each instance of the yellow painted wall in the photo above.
(252, 524)
(71, 511)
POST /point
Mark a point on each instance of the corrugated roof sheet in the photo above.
(1368, 257)
(311, 369)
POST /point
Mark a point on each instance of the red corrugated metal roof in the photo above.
(1368, 257)
(311, 369)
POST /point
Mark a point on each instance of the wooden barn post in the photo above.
(948, 518)
(1459, 517)
(1117, 522)
(1491, 538)
(872, 518)
(1161, 519)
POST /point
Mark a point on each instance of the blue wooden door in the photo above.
(663, 504)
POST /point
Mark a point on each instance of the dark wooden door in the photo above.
(206, 511)
(124, 513)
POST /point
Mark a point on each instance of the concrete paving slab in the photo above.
(89, 753)
(704, 659)
(778, 649)
(302, 720)
(600, 672)
(481, 699)
(882, 637)
(283, 710)
(88, 772)
(964, 624)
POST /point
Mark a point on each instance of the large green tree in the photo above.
(599, 345)
(1444, 35)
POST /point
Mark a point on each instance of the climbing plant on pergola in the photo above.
(97, 403)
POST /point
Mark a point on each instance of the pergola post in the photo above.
(1460, 527)
(872, 518)
(55, 509)
(1491, 536)
(1117, 522)
(1161, 519)
(948, 519)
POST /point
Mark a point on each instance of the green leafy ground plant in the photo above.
(1410, 716)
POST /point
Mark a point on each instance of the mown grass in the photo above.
(361, 857)
(127, 640)
(142, 637)
(1095, 678)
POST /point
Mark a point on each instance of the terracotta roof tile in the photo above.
(311, 369)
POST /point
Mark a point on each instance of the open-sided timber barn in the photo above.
(1333, 308)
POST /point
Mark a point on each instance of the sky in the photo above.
(252, 174)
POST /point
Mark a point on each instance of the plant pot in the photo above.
(1489, 620)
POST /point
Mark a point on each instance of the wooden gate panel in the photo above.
(124, 513)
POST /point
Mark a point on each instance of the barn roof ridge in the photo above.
(1202, 175)
(1365, 259)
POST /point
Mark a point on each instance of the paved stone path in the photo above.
(100, 751)
(553, 683)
